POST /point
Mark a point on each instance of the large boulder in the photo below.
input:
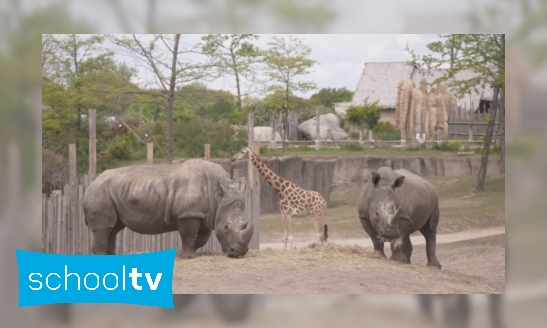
(264, 134)
(329, 128)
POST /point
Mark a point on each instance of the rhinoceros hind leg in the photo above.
(430, 236)
(111, 246)
(188, 230)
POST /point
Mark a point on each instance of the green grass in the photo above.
(462, 208)
(359, 150)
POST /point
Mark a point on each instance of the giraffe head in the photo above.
(244, 153)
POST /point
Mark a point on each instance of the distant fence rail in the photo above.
(462, 121)
(367, 143)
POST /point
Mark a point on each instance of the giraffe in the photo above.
(293, 200)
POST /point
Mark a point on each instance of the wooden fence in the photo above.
(65, 233)
(462, 121)
(64, 230)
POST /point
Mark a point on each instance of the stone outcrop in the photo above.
(329, 128)
(264, 134)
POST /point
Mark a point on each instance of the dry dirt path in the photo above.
(416, 239)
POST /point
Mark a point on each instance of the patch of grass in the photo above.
(349, 150)
(352, 147)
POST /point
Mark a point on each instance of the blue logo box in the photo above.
(143, 279)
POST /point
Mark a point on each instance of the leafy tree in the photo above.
(78, 75)
(286, 61)
(367, 115)
(327, 96)
(161, 54)
(235, 56)
(484, 54)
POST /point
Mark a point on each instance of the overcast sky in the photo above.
(340, 57)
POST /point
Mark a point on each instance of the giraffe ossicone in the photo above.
(293, 200)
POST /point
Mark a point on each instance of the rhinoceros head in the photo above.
(231, 229)
(385, 210)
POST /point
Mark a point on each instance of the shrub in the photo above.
(352, 147)
(454, 145)
(119, 149)
(386, 131)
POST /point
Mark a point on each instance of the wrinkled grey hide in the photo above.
(395, 204)
(194, 198)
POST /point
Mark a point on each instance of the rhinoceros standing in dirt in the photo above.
(194, 197)
(395, 204)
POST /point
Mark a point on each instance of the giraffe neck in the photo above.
(278, 183)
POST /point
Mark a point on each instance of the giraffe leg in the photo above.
(318, 226)
(288, 233)
(286, 226)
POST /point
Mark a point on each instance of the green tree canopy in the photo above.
(327, 96)
(367, 115)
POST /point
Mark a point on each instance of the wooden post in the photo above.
(207, 152)
(317, 125)
(360, 136)
(470, 133)
(273, 133)
(421, 123)
(439, 136)
(403, 135)
(370, 135)
(92, 145)
(252, 206)
(150, 153)
(235, 174)
(256, 148)
(73, 195)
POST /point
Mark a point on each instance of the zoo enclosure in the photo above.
(63, 226)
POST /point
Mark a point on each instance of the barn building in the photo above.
(379, 81)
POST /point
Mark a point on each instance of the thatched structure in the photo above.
(436, 104)
(380, 81)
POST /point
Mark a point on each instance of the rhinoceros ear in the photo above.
(398, 182)
(222, 190)
(375, 178)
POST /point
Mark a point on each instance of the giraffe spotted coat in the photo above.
(293, 200)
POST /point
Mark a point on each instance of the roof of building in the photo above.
(379, 81)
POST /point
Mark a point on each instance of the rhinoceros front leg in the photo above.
(378, 244)
(188, 230)
(202, 238)
(401, 249)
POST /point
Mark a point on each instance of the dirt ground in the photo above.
(475, 266)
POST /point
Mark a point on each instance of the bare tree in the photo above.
(286, 61)
(162, 55)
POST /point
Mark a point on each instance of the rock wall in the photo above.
(326, 175)
(352, 172)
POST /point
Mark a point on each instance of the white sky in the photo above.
(340, 57)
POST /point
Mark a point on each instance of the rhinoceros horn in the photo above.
(246, 233)
(393, 219)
